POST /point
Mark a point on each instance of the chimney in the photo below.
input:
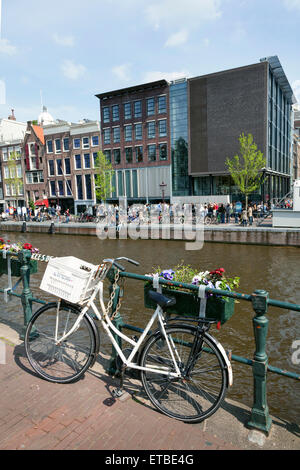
(12, 116)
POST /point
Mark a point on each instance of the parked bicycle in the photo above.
(212, 219)
(184, 371)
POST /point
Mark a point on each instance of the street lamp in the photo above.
(163, 186)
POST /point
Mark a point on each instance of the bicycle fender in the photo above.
(225, 357)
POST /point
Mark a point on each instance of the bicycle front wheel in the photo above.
(199, 392)
(65, 362)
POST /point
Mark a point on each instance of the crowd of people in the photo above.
(218, 212)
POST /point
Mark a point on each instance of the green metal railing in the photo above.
(260, 417)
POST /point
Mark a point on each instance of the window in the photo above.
(150, 106)
(35, 177)
(128, 133)
(162, 128)
(117, 156)
(116, 134)
(33, 165)
(4, 155)
(79, 187)
(88, 186)
(163, 152)
(137, 109)
(139, 153)
(66, 144)
(57, 146)
(95, 156)
(21, 189)
(6, 173)
(106, 136)
(162, 104)
(127, 110)
(87, 161)
(128, 154)
(138, 131)
(7, 189)
(51, 167)
(58, 167)
(95, 140)
(151, 153)
(61, 188)
(19, 171)
(32, 149)
(67, 166)
(18, 152)
(76, 143)
(52, 188)
(107, 154)
(69, 187)
(106, 114)
(115, 112)
(151, 129)
(77, 162)
(85, 143)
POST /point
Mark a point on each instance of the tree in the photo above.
(103, 177)
(246, 170)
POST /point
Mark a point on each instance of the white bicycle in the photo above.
(184, 371)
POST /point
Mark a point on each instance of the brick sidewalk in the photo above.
(36, 414)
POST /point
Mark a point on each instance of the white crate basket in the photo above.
(70, 278)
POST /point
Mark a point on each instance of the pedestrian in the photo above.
(67, 214)
(244, 218)
(250, 215)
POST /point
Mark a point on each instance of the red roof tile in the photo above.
(39, 133)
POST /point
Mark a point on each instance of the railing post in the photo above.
(118, 322)
(260, 418)
(26, 298)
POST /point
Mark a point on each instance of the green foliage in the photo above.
(103, 177)
(12, 165)
(246, 170)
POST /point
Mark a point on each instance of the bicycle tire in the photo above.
(63, 363)
(207, 220)
(192, 398)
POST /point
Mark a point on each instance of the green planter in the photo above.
(16, 266)
(188, 304)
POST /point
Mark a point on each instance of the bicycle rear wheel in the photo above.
(199, 392)
(65, 362)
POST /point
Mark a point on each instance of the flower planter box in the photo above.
(16, 266)
(188, 304)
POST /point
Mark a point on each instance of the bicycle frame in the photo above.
(109, 327)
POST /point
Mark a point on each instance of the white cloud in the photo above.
(122, 72)
(190, 13)
(177, 38)
(292, 4)
(68, 41)
(71, 70)
(169, 76)
(7, 48)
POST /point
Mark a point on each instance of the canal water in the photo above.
(275, 269)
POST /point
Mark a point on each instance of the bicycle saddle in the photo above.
(162, 300)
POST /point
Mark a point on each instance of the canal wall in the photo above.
(227, 233)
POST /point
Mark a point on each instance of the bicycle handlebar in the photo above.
(118, 265)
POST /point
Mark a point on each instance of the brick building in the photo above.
(70, 154)
(135, 131)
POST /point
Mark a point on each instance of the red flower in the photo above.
(222, 270)
(27, 246)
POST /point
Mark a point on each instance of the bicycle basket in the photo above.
(71, 278)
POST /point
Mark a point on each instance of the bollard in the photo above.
(52, 229)
(260, 418)
(24, 227)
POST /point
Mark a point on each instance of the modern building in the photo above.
(186, 145)
(70, 153)
(296, 146)
(135, 131)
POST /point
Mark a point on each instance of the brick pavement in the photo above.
(36, 414)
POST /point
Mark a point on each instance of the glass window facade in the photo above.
(179, 139)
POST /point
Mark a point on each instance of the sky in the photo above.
(61, 53)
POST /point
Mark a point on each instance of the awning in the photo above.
(42, 202)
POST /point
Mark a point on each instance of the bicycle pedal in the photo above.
(117, 392)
